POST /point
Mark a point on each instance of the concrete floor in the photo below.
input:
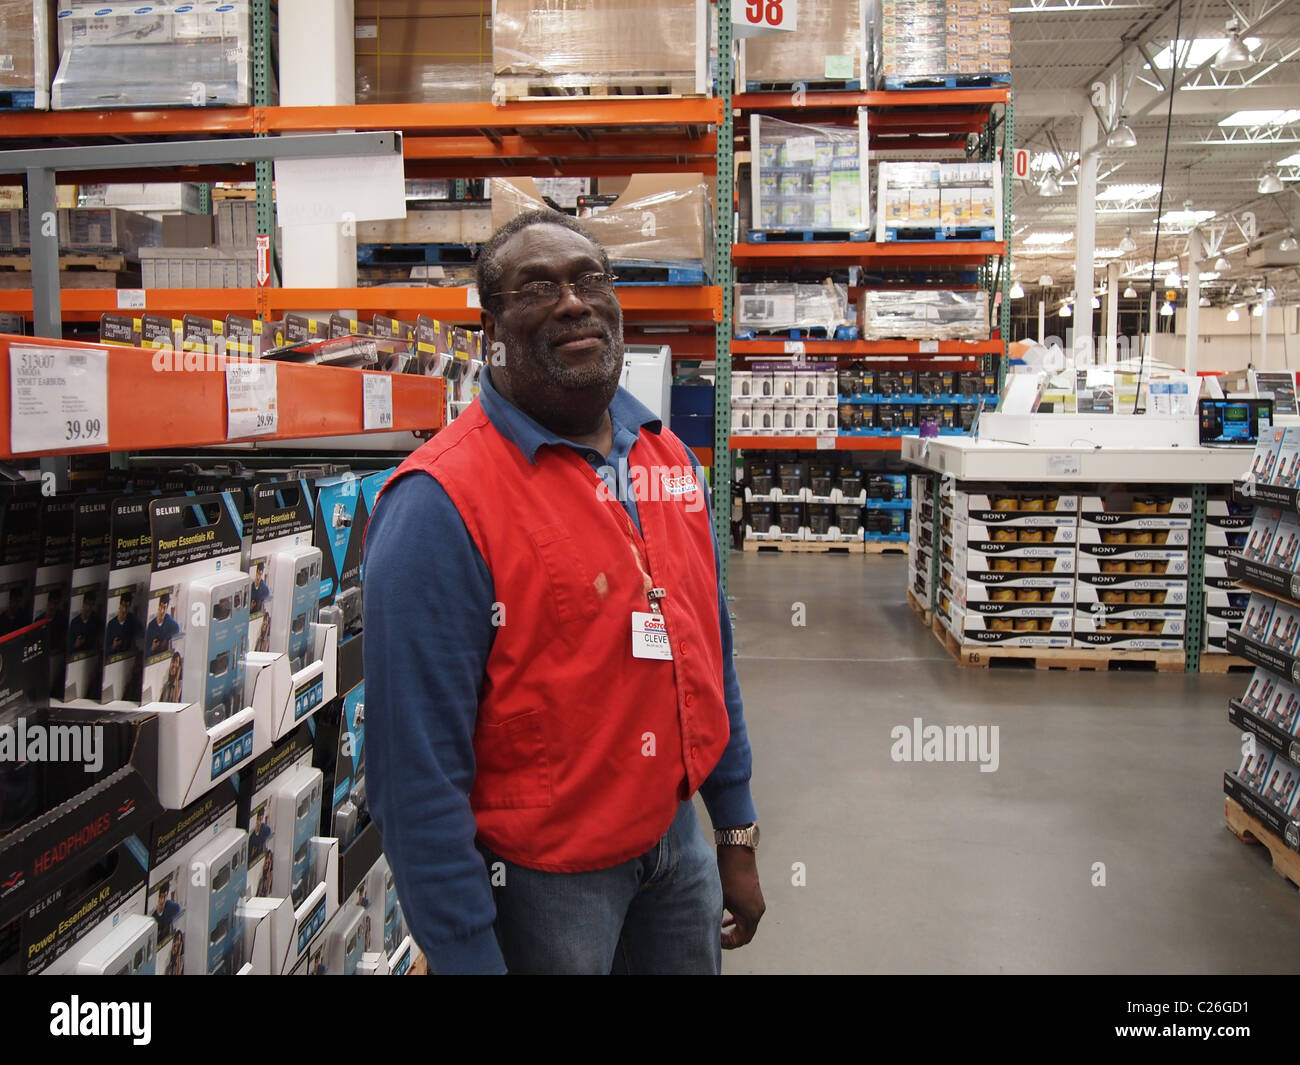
(937, 867)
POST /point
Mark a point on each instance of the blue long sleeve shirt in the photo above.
(428, 625)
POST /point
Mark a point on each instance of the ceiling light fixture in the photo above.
(1258, 310)
(1045, 281)
(1269, 184)
(1288, 243)
(1130, 293)
(1233, 55)
(1128, 244)
(1166, 310)
(1017, 290)
(1233, 315)
(1096, 303)
(1173, 279)
(1049, 184)
(1204, 301)
(1066, 311)
(1122, 136)
(1222, 265)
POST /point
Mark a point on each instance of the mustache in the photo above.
(563, 334)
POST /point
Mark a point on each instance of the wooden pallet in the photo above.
(113, 260)
(922, 611)
(805, 547)
(1070, 659)
(21, 280)
(1249, 829)
(886, 547)
(234, 194)
(1221, 664)
(664, 86)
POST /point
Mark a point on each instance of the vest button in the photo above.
(695, 752)
(689, 700)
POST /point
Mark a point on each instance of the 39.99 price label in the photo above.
(58, 398)
(252, 403)
(750, 18)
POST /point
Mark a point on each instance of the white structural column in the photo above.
(318, 68)
(1193, 299)
(1263, 328)
(1042, 321)
(1112, 312)
(1085, 236)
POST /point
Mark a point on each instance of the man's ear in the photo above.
(489, 324)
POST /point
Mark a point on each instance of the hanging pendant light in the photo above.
(1122, 136)
(1066, 310)
(1045, 281)
(1017, 290)
(1257, 311)
(1204, 301)
(1269, 184)
(1049, 184)
(1130, 293)
(1221, 265)
(1166, 310)
(1173, 279)
(1233, 315)
(1096, 303)
(1288, 243)
(1128, 244)
(1233, 55)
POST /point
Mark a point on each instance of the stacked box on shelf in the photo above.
(434, 53)
(159, 55)
(924, 196)
(782, 306)
(829, 47)
(876, 402)
(784, 399)
(808, 178)
(27, 46)
(927, 38)
(923, 314)
(1008, 563)
(1132, 576)
(1227, 527)
(198, 267)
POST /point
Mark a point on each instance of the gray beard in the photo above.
(568, 400)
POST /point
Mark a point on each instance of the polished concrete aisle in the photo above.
(938, 867)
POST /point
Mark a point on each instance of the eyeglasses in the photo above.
(548, 293)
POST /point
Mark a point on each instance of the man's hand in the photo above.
(741, 895)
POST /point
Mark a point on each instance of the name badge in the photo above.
(650, 637)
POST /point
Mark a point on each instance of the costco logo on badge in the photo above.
(680, 486)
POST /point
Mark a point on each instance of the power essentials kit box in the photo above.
(128, 592)
(219, 882)
(88, 600)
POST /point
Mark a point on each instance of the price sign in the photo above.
(252, 407)
(58, 398)
(1063, 465)
(1020, 164)
(130, 299)
(826, 443)
(376, 401)
(471, 297)
(928, 347)
(750, 18)
(795, 348)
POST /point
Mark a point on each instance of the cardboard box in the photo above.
(423, 53)
(679, 205)
(828, 45)
(27, 52)
(186, 231)
(594, 39)
(955, 207)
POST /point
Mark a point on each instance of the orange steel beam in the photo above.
(809, 443)
(845, 253)
(155, 402)
(516, 146)
(429, 170)
(786, 101)
(814, 348)
(521, 114)
(52, 125)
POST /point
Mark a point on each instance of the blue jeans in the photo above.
(659, 913)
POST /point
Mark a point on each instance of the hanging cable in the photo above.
(1160, 205)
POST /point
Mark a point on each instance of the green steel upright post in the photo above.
(1196, 581)
(1008, 156)
(262, 98)
(205, 198)
(723, 276)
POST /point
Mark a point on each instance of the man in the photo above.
(261, 591)
(123, 626)
(83, 633)
(534, 738)
(165, 912)
(15, 616)
(260, 836)
(162, 627)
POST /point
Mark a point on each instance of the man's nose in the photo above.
(570, 304)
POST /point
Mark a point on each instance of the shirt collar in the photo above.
(528, 435)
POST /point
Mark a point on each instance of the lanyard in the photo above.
(652, 594)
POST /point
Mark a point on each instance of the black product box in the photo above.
(790, 518)
(299, 328)
(821, 478)
(761, 477)
(119, 329)
(760, 515)
(821, 516)
(792, 477)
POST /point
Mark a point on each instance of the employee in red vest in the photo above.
(548, 656)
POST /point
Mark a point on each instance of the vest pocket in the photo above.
(572, 592)
(512, 770)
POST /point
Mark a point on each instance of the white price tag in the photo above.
(252, 406)
(377, 401)
(750, 18)
(471, 297)
(800, 149)
(58, 398)
(130, 299)
(794, 347)
(1063, 465)
(826, 443)
(929, 347)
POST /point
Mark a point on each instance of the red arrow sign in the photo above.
(263, 261)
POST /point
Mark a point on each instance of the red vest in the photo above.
(583, 751)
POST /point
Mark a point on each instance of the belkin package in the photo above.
(341, 753)
(54, 579)
(88, 601)
(211, 723)
(19, 550)
(286, 572)
(269, 846)
(219, 882)
(128, 591)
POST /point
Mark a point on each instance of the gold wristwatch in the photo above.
(737, 837)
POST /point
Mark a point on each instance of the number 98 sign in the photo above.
(753, 17)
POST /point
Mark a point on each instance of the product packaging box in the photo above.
(829, 45)
(28, 53)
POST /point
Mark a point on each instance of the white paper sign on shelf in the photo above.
(1063, 465)
(341, 189)
(826, 443)
(928, 347)
(794, 347)
(471, 297)
(252, 404)
(58, 398)
(753, 18)
(376, 401)
(130, 299)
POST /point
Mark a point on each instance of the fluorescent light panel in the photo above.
(1048, 238)
(1260, 118)
(1128, 192)
(1202, 48)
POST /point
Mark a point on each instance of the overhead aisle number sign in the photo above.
(750, 18)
